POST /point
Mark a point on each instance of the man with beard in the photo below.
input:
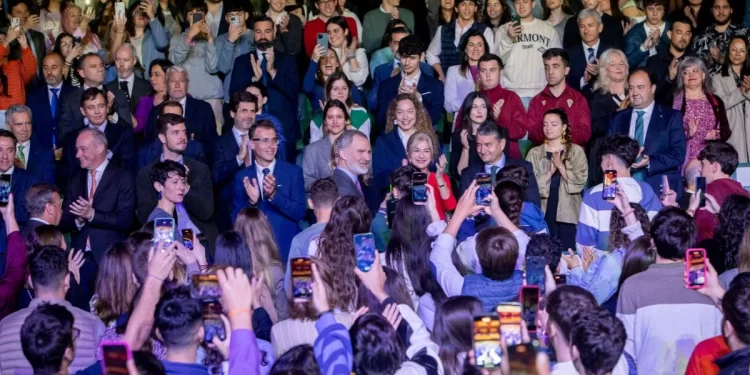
(352, 161)
(711, 45)
(278, 72)
(198, 203)
(663, 65)
(45, 101)
(131, 86)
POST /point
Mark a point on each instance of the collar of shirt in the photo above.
(499, 164)
(101, 127)
(259, 169)
(100, 169)
(396, 62)
(646, 119)
(100, 87)
(277, 18)
(460, 32)
(180, 160)
(350, 174)
(238, 135)
(595, 47)
(39, 220)
(413, 80)
(9, 171)
(649, 110)
(261, 55)
(59, 87)
(129, 80)
(26, 145)
(183, 103)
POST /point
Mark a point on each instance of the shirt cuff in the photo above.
(436, 228)
(239, 161)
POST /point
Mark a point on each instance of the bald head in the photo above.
(125, 60)
(91, 148)
(52, 67)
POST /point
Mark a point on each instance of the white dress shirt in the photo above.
(652, 50)
(238, 137)
(404, 138)
(586, 56)
(646, 118)
(183, 103)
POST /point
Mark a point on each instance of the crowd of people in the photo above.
(358, 187)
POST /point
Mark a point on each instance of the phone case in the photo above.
(535, 271)
(609, 189)
(510, 321)
(301, 279)
(364, 250)
(164, 230)
(484, 181)
(5, 185)
(115, 355)
(695, 268)
(419, 188)
(205, 287)
(700, 184)
(529, 297)
(487, 350)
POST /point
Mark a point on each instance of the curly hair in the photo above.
(350, 216)
(734, 218)
(617, 239)
(423, 122)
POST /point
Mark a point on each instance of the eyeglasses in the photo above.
(267, 141)
(76, 333)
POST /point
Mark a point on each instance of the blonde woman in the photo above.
(421, 153)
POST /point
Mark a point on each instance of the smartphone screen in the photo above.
(560, 279)
(164, 230)
(390, 206)
(695, 263)
(301, 279)
(487, 351)
(212, 323)
(5, 182)
(530, 303)
(197, 17)
(205, 286)
(516, 20)
(484, 181)
(535, 271)
(323, 41)
(187, 238)
(700, 184)
(120, 10)
(234, 21)
(510, 322)
(15, 22)
(419, 188)
(609, 191)
(364, 250)
(115, 357)
(522, 359)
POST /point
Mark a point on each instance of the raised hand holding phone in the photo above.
(374, 280)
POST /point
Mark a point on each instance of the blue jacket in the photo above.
(532, 219)
(388, 155)
(430, 88)
(42, 121)
(285, 210)
(578, 60)
(633, 40)
(155, 43)
(21, 182)
(41, 161)
(491, 292)
(383, 72)
(199, 121)
(224, 168)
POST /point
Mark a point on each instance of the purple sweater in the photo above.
(333, 347)
(244, 356)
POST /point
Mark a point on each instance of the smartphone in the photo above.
(187, 238)
(419, 188)
(516, 20)
(5, 182)
(535, 271)
(510, 322)
(280, 19)
(700, 184)
(530, 303)
(120, 10)
(695, 266)
(15, 23)
(522, 359)
(609, 191)
(205, 287)
(560, 280)
(197, 17)
(487, 350)
(301, 279)
(234, 20)
(76, 41)
(484, 181)
(390, 206)
(364, 250)
(664, 186)
(164, 230)
(115, 356)
(212, 323)
(323, 41)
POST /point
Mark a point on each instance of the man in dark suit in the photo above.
(132, 87)
(44, 205)
(91, 68)
(20, 9)
(30, 154)
(278, 72)
(352, 161)
(490, 145)
(152, 150)
(198, 202)
(45, 102)
(273, 186)
(657, 129)
(612, 33)
(663, 66)
(231, 154)
(119, 135)
(412, 81)
(99, 206)
(199, 117)
(584, 56)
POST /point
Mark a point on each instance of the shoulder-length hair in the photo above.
(231, 250)
(474, 33)
(422, 122)
(115, 288)
(689, 62)
(341, 22)
(336, 76)
(417, 137)
(452, 331)
(733, 222)
(253, 225)
(335, 103)
(617, 239)
(640, 255)
(745, 71)
(504, 17)
(464, 122)
(44, 235)
(546, 12)
(602, 83)
(330, 55)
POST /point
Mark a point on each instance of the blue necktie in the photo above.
(266, 171)
(53, 102)
(591, 57)
(263, 69)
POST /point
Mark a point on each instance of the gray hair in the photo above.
(130, 47)
(602, 83)
(97, 135)
(689, 62)
(38, 196)
(342, 143)
(586, 13)
(12, 110)
(177, 69)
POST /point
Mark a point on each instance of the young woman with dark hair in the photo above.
(475, 111)
(496, 13)
(461, 79)
(453, 331)
(732, 85)
(339, 87)
(638, 257)
(115, 288)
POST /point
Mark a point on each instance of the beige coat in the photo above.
(734, 100)
(569, 201)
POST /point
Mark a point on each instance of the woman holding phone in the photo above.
(421, 152)
(144, 29)
(323, 63)
(353, 60)
(170, 182)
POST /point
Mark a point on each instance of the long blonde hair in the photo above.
(602, 83)
(253, 225)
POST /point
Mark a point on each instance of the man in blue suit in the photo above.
(273, 186)
(584, 56)
(657, 129)
(645, 38)
(45, 102)
(411, 80)
(278, 72)
(30, 154)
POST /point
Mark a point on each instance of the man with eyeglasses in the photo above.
(273, 186)
(327, 9)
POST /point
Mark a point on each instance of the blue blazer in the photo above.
(383, 73)
(388, 155)
(43, 124)
(41, 161)
(532, 191)
(223, 171)
(20, 183)
(285, 210)
(199, 121)
(665, 145)
(633, 40)
(152, 151)
(578, 60)
(430, 88)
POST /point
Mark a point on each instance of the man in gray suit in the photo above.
(353, 156)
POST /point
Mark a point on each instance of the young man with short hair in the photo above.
(376, 20)
(597, 339)
(663, 65)
(647, 37)
(712, 43)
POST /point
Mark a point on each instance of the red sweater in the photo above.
(318, 26)
(15, 272)
(19, 73)
(575, 107)
(719, 189)
(442, 204)
(705, 353)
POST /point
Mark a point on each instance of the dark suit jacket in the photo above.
(45, 126)
(578, 60)
(532, 191)
(387, 157)
(29, 228)
(114, 206)
(198, 202)
(41, 161)
(430, 88)
(287, 207)
(664, 144)
(71, 118)
(120, 143)
(199, 121)
(345, 184)
(611, 34)
(152, 152)
(20, 183)
(36, 40)
(224, 168)
(141, 88)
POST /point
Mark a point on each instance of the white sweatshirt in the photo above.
(524, 68)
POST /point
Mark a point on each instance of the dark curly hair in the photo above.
(617, 239)
(623, 147)
(350, 216)
(734, 218)
(510, 196)
(544, 245)
(376, 346)
(161, 171)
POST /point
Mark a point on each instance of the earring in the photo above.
(158, 196)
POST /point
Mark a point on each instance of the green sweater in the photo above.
(374, 25)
